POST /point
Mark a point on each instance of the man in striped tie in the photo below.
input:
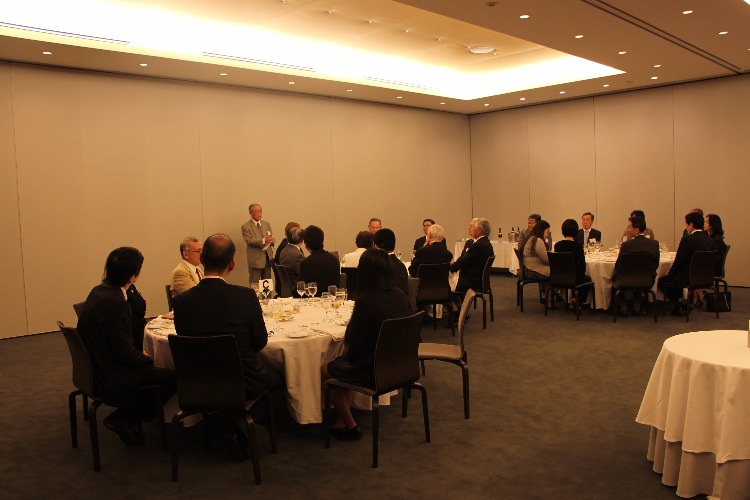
(187, 274)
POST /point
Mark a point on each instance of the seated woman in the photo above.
(715, 229)
(569, 231)
(535, 261)
(379, 300)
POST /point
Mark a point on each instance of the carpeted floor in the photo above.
(553, 405)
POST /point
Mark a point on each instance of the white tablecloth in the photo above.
(600, 266)
(698, 405)
(505, 257)
(299, 359)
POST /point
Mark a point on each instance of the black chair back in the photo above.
(470, 294)
(486, 275)
(412, 285)
(521, 267)
(397, 353)
(83, 375)
(433, 283)
(283, 282)
(170, 303)
(636, 270)
(701, 273)
(562, 269)
(209, 373)
(352, 291)
(78, 308)
(724, 263)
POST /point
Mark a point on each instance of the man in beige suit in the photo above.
(258, 235)
(187, 273)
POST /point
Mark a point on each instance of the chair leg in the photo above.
(434, 316)
(475, 302)
(252, 442)
(94, 436)
(271, 424)
(546, 299)
(405, 395)
(375, 430)
(716, 294)
(176, 427)
(73, 419)
(519, 295)
(577, 299)
(85, 406)
(327, 417)
(593, 300)
(492, 308)
(688, 305)
(484, 313)
(465, 376)
(654, 296)
(421, 362)
(425, 413)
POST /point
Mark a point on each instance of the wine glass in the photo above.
(336, 303)
(312, 289)
(301, 290)
(343, 291)
(255, 289)
(325, 301)
(332, 289)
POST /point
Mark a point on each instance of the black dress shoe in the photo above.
(355, 433)
(339, 433)
(127, 432)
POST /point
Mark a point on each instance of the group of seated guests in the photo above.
(700, 234)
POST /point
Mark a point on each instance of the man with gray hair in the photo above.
(471, 263)
(292, 254)
(258, 235)
(433, 252)
(187, 274)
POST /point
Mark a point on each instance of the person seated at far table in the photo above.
(715, 230)
(472, 262)
(379, 300)
(385, 239)
(470, 240)
(363, 242)
(285, 241)
(587, 233)
(320, 267)
(374, 225)
(535, 260)
(187, 274)
(637, 243)
(433, 252)
(422, 240)
(569, 244)
(292, 255)
(647, 233)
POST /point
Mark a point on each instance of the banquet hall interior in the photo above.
(111, 136)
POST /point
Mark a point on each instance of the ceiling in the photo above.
(402, 52)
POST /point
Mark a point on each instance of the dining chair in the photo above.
(522, 280)
(396, 367)
(635, 274)
(412, 285)
(455, 354)
(562, 276)
(351, 273)
(701, 277)
(78, 307)
(170, 301)
(83, 380)
(486, 290)
(342, 280)
(283, 282)
(720, 278)
(210, 380)
(435, 289)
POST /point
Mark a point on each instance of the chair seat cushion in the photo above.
(439, 351)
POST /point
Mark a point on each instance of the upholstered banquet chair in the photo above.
(455, 354)
(210, 380)
(562, 276)
(636, 274)
(720, 279)
(435, 289)
(523, 281)
(486, 291)
(283, 282)
(396, 367)
(701, 277)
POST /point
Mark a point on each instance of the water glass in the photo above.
(312, 289)
(332, 289)
(301, 289)
(325, 301)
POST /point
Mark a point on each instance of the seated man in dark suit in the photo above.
(637, 243)
(285, 241)
(385, 239)
(697, 240)
(105, 326)
(526, 233)
(587, 233)
(422, 240)
(292, 256)
(321, 266)
(471, 264)
(433, 252)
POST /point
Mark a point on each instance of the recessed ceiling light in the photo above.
(605, 85)
(522, 99)
(486, 104)
(291, 83)
(440, 39)
(442, 103)
(349, 90)
(144, 64)
(399, 97)
(622, 52)
(687, 12)
(562, 91)
(481, 49)
(370, 21)
(407, 30)
(330, 11)
(223, 74)
(654, 77)
(579, 36)
(657, 65)
(525, 16)
(723, 32)
(47, 53)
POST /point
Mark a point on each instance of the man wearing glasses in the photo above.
(187, 274)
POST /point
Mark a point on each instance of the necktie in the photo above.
(586, 239)
(258, 224)
(198, 272)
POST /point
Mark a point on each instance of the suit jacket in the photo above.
(400, 274)
(695, 242)
(466, 247)
(580, 259)
(648, 233)
(279, 248)
(256, 256)
(419, 243)
(214, 307)
(183, 278)
(471, 264)
(106, 328)
(291, 257)
(639, 244)
(431, 254)
(138, 314)
(321, 267)
(593, 234)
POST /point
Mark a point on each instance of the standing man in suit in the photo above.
(433, 252)
(471, 264)
(320, 267)
(587, 233)
(374, 225)
(119, 369)
(697, 240)
(637, 243)
(385, 239)
(292, 256)
(422, 241)
(258, 235)
(187, 274)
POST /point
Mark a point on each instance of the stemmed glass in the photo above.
(255, 289)
(312, 289)
(301, 290)
(340, 300)
(332, 289)
(325, 301)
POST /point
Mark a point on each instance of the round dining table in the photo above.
(297, 347)
(697, 405)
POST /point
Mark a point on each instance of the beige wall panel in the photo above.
(562, 161)
(12, 294)
(500, 168)
(401, 166)
(270, 148)
(712, 154)
(108, 175)
(635, 162)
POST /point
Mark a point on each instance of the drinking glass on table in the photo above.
(336, 303)
(301, 290)
(275, 306)
(332, 289)
(255, 289)
(325, 301)
(312, 289)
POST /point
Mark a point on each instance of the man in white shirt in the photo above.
(363, 242)
(187, 274)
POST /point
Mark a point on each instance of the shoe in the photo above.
(127, 433)
(340, 433)
(355, 433)
(238, 447)
(698, 304)
(679, 310)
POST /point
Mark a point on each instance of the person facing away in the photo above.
(363, 241)
(292, 255)
(433, 252)
(385, 239)
(320, 266)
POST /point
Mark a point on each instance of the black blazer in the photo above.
(400, 274)
(320, 267)
(138, 309)
(471, 264)
(431, 254)
(214, 307)
(639, 244)
(420, 243)
(277, 255)
(106, 328)
(695, 242)
(593, 233)
(580, 259)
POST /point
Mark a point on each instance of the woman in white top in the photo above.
(535, 252)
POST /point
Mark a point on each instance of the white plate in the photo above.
(300, 334)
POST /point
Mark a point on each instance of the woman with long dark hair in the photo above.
(535, 260)
(715, 229)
